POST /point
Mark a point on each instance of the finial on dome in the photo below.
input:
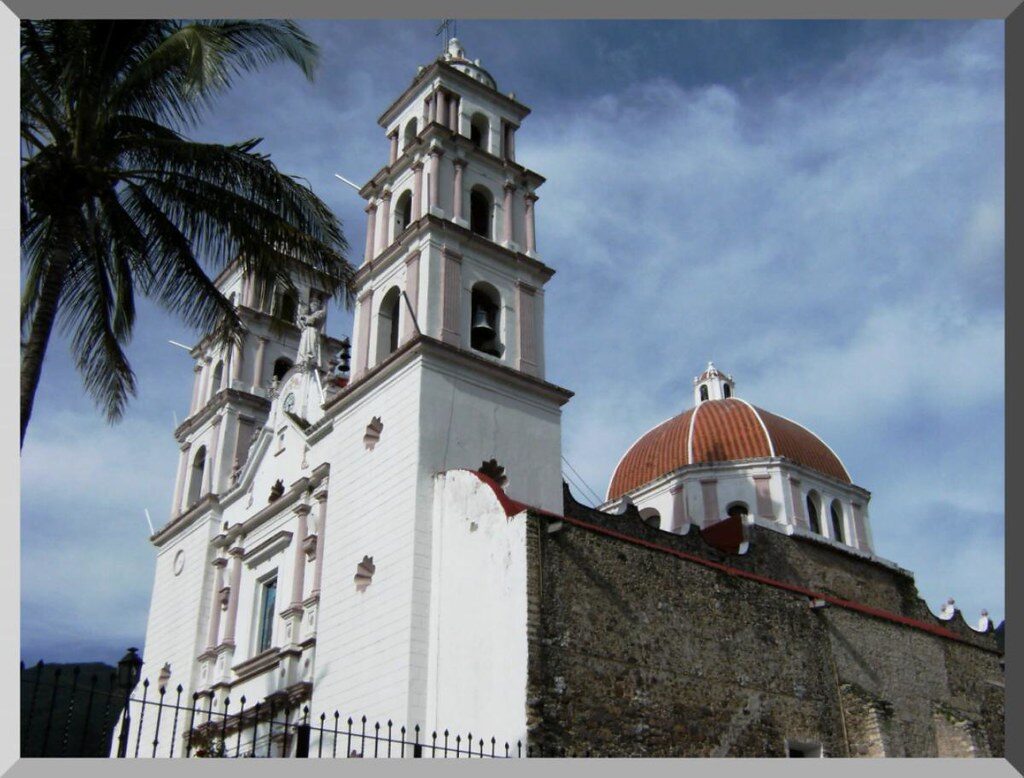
(712, 384)
(455, 50)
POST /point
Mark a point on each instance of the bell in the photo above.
(482, 327)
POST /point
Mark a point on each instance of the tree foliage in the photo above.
(116, 200)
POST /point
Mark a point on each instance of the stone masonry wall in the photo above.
(634, 652)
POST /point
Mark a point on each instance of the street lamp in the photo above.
(128, 670)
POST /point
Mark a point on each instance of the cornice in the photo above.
(440, 67)
(422, 227)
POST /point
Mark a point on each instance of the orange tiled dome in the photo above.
(721, 431)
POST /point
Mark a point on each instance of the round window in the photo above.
(179, 561)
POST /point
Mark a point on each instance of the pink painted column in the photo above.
(453, 113)
(678, 508)
(218, 583)
(210, 481)
(371, 223)
(196, 387)
(412, 291)
(393, 155)
(441, 110)
(236, 360)
(236, 555)
(435, 178)
(709, 493)
(179, 488)
(257, 369)
(798, 503)
(365, 304)
(527, 328)
(321, 528)
(452, 299)
(531, 225)
(299, 559)
(510, 189)
(417, 190)
(384, 233)
(459, 165)
(208, 389)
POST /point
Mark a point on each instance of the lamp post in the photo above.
(128, 670)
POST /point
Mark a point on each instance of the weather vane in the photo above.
(448, 28)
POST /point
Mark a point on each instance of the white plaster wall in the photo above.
(363, 639)
(477, 670)
(178, 618)
(470, 417)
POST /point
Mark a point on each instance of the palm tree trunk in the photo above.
(39, 333)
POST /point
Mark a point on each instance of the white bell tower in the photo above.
(447, 373)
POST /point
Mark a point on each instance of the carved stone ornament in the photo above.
(276, 490)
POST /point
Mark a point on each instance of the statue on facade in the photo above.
(310, 321)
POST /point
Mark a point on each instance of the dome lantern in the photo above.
(712, 384)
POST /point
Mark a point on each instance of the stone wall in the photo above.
(637, 652)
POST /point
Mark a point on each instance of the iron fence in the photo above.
(75, 713)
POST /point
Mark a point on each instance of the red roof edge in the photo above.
(725, 533)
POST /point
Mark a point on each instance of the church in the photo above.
(378, 525)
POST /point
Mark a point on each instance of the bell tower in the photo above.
(450, 240)
(447, 373)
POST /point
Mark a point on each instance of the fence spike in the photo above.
(223, 747)
(53, 702)
(142, 715)
(174, 725)
(159, 714)
(32, 706)
(94, 679)
(71, 708)
(191, 725)
(389, 738)
(241, 717)
(270, 728)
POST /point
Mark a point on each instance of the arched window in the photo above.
(479, 131)
(481, 205)
(287, 307)
(387, 323)
(218, 376)
(814, 511)
(837, 521)
(703, 392)
(726, 390)
(409, 135)
(195, 485)
(651, 517)
(403, 212)
(485, 325)
(281, 366)
(737, 510)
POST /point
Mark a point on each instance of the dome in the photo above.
(455, 56)
(723, 430)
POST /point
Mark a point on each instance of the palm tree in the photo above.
(116, 201)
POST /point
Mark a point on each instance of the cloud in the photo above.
(818, 208)
(838, 245)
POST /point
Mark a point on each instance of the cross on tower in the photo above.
(448, 27)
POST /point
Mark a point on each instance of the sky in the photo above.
(817, 207)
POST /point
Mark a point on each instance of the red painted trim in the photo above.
(878, 613)
(513, 507)
(510, 506)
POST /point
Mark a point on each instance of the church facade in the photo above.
(393, 540)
